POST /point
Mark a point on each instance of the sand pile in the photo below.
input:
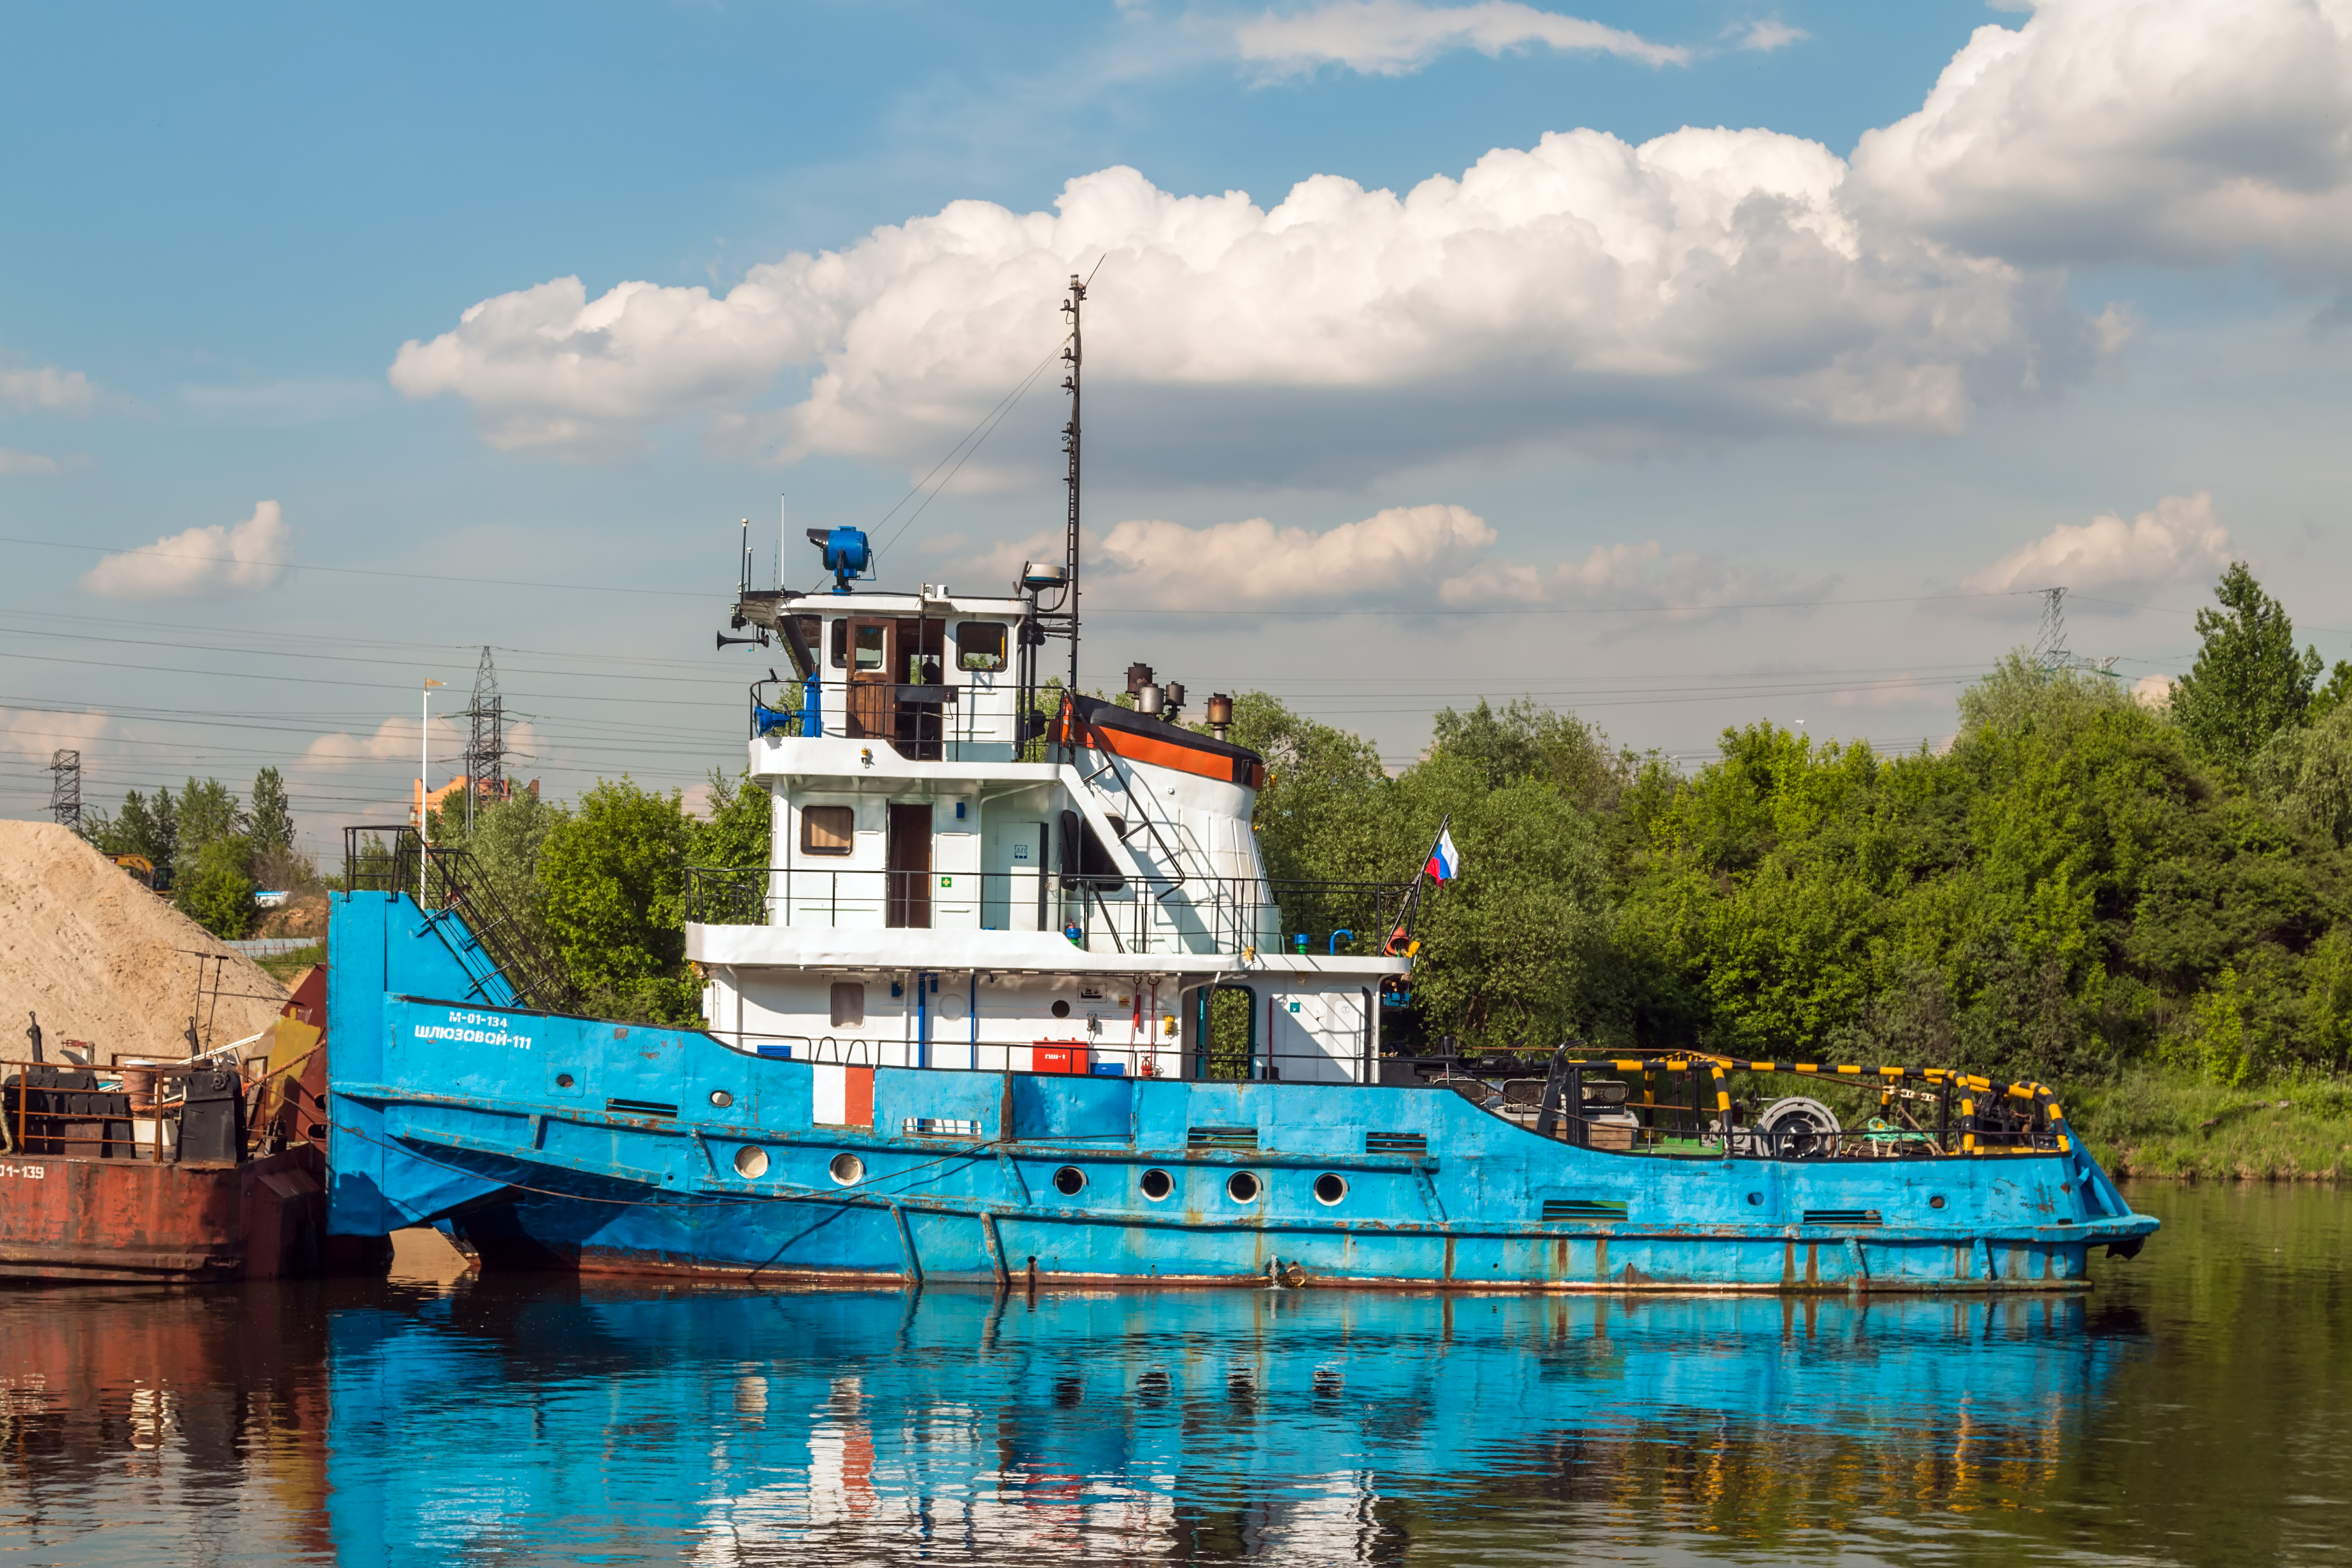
(101, 959)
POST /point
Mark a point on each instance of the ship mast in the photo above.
(1073, 356)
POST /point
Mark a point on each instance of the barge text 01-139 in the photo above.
(1016, 1002)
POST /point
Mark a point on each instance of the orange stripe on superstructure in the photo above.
(1165, 754)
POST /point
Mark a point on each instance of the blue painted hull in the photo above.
(549, 1141)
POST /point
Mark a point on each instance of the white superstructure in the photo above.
(935, 901)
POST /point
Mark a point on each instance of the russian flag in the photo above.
(1444, 861)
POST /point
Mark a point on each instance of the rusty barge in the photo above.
(135, 1169)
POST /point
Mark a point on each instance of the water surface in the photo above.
(2197, 1407)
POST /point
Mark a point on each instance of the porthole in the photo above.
(1069, 1181)
(1061, 1008)
(750, 1162)
(1157, 1184)
(721, 1098)
(1936, 1202)
(847, 1169)
(1242, 1187)
(1756, 1199)
(1329, 1188)
(564, 1080)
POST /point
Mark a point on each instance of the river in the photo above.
(2196, 1407)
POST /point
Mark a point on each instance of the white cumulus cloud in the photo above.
(14, 463)
(1769, 34)
(1588, 290)
(39, 734)
(47, 389)
(2179, 538)
(1252, 562)
(1704, 285)
(1435, 556)
(2183, 132)
(240, 558)
(1393, 37)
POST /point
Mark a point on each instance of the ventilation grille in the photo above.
(1396, 1143)
(1842, 1216)
(1221, 1138)
(641, 1108)
(1584, 1208)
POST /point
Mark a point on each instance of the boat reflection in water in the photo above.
(526, 1422)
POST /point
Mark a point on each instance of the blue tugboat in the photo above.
(968, 1026)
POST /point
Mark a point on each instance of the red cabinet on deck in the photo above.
(1058, 1056)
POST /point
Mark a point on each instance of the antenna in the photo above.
(65, 788)
(486, 743)
(1074, 355)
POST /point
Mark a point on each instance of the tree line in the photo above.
(211, 853)
(2078, 881)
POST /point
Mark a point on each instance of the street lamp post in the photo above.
(424, 773)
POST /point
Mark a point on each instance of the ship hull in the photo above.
(546, 1142)
(129, 1221)
(862, 1248)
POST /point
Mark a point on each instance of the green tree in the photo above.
(1321, 814)
(2019, 693)
(505, 840)
(2307, 773)
(216, 893)
(141, 828)
(209, 813)
(272, 821)
(1528, 740)
(611, 873)
(1514, 950)
(2248, 683)
(2327, 699)
(736, 832)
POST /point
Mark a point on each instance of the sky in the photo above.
(1685, 366)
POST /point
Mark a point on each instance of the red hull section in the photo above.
(116, 1220)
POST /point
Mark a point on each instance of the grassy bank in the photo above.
(2165, 1125)
(285, 967)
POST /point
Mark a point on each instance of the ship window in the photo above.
(871, 647)
(848, 1005)
(828, 829)
(1086, 864)
(805, 636)
(980, 645)
(840, 644)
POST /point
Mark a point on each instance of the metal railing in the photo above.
(1099, 914)
(1686, 1105)
(497, 941)
(926, 721)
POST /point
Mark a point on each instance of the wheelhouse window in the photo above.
(828, 829)
(871, 647)
(980, 645)
(840, 644)
(848, 1005)
(805, 638)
